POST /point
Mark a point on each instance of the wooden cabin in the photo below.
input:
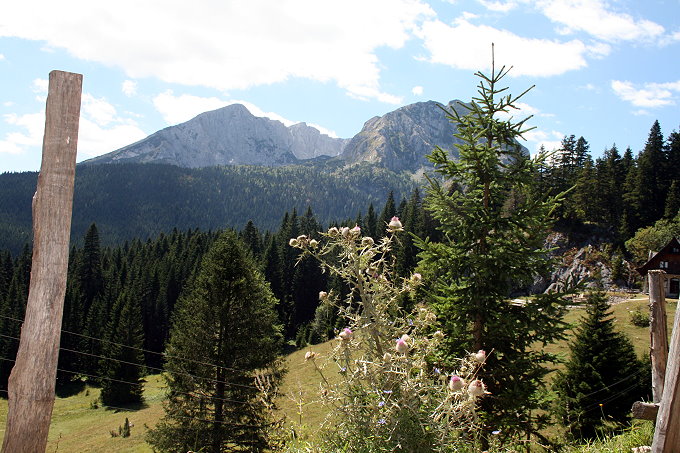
(668, 260)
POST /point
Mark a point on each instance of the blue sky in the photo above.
(604, 70)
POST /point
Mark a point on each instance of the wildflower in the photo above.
(496, 432)
(293, 242)
(382, 421)
(344, 231)
(476, 388)
(401, 346)
(430, 317)
(310, 355)
(456, 383)
(356, 231)
(323, 295)
(346, 334)
(416, 279)
(367, 242)
(302, 238)
(313, 243)
(480, 356)
(387, 357)
(333, 231)
(395, 225)
(438, 335)
(381, 404)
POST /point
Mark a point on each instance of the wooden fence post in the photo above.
(32, 381)
(667, 432)
(658, 331)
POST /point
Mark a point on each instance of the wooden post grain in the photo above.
(32, 381)
(667, 432)
(658, 331)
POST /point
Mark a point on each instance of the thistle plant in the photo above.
(389, 396)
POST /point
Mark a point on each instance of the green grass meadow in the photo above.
(77, 426)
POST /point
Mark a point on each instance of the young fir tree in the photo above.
(603, 376)
(123, 368)
(224, 333)
(494, 225)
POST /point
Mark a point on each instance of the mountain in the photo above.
(228, 136)
(400, 140)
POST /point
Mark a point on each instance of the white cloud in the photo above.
(7, 104)
(550, 140)
(227, 45)
(498, 5)
(101, 130)
(597, 19)
(417, 91)
(649, 96)
(40, 86)
(2, 57)
(129, 88)
(530, 57)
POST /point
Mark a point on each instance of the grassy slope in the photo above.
(78, 427)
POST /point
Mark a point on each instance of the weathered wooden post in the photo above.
(658, 331)
(667, 432)
(32, 381)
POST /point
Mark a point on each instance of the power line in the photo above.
(186, 359)
(162, 370)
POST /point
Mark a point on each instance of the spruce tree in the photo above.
(603, 376)
(493, 226)
(122, 369)
(224, 332)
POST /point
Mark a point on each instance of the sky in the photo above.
(602, 69)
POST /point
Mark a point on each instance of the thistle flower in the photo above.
(323, 295)
(293, 242)
(345, 334)
(456, 383)
(302, 238)
(395, 225)
(480, 356)
(313, 243)
(438, 335)
(401, 347)
(310, 355)
(356, 231)
(476, 388)
(416, 278)
(367, 242)
(344, 231)
(387, 357)
(333, 232)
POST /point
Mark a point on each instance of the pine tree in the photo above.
(224, 330)
(122, 369)
(603, 377)
(494, 229)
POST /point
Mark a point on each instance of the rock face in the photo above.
(228, 136)
(401, 139)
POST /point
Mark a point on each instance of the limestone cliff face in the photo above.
(228, 136)
(401, 139)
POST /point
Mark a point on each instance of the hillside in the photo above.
(140, 200)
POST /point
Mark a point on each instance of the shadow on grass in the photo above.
(131, 407)
(69, 388)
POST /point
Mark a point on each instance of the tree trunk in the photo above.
(32, 381)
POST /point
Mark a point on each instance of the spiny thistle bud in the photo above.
(387, 357)
(310, 355)
(344, 231)
(401, 346)
(430, 317)
(416, 278)
(456, 383)
(476, 388)
(323, 295)
(302, 238)
(313, 243)
(367, 242)
(333, 232)
(395, 225)
(345, 334)
(438, 335)
(480, 356)
(356, 231)
(294, 242)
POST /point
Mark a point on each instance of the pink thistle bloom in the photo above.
(356, 231)
(480, 356)
(456, 383)
(310, 355)
(344, 231)
(345, 334)
(476, 388)
(401, 346)
(322, 295)
(395, 224)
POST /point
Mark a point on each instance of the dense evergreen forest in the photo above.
(129, 201)
(133, 286)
